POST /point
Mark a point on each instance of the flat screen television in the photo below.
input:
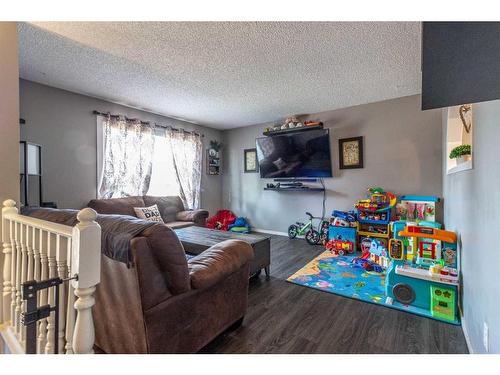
(300, 154)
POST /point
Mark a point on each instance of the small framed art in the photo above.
(250, 158)
(351, 153)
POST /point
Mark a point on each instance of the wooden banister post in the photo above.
(86, 263)
(9, 206)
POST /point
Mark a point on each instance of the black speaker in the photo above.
(403, 293)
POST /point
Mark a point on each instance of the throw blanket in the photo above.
(116, 230)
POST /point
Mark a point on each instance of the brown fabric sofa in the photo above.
(171, 209)
(160, 302)
(166, 304)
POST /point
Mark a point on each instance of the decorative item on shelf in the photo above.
(312, 123)
(217, 146)
(250, 159)
(291, 124)
(465, 112)
(462, 153)
(213, 158)
(351, 153)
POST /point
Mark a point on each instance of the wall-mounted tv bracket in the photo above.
(33, 313)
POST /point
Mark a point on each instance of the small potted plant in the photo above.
(462, 153)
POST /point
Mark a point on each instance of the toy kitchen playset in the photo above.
(399, 237)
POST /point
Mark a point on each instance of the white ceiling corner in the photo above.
(226, 74)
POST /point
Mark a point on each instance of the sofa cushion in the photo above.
(179, 224)
(218, 262)
(118, 206)
(150, 213)
(199, 217)
(168, 206)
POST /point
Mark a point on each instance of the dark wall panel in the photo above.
(460, 63)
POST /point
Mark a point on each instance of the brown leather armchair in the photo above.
(166, 304)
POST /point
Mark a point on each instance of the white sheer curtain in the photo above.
(187, 151)
(127, 157)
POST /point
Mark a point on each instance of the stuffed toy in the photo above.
(240, 225)
(221, 220)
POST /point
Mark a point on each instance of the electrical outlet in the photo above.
(486, 343)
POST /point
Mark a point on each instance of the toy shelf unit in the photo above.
(374, 215)
(370, 228)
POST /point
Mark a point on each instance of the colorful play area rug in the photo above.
(336, 274)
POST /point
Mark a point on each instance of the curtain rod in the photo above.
(97, 113)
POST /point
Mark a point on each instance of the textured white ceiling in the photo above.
(226, 74)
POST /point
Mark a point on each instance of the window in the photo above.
(136, 159)
(163, 178)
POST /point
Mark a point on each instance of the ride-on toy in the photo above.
(300, 229)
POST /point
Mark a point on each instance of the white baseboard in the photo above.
(269, 232)
(466, 334)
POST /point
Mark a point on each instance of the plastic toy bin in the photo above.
(342, 233)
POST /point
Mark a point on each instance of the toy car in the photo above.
(339, 247)
(367, 264)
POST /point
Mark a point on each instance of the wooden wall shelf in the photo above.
(292, 130)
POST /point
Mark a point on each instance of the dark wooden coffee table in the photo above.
(197, 239)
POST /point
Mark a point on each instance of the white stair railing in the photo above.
(35, 249)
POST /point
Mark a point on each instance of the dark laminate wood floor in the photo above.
(286, 318)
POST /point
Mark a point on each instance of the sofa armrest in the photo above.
(197, 216)
(218, 262)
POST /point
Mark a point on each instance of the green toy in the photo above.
(300, 229)
(443, 303)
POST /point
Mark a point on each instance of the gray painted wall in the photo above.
(403, 153)
(472, 203)
(63, 123)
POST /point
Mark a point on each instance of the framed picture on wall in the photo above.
(351, 153)
(250, 159)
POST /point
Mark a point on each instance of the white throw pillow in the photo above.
(150, 213)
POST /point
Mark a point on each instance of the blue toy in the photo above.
(240, 225)
(349, 216)
(367, 264)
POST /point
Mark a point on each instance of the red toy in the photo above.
(339, 247)
(221, 220)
